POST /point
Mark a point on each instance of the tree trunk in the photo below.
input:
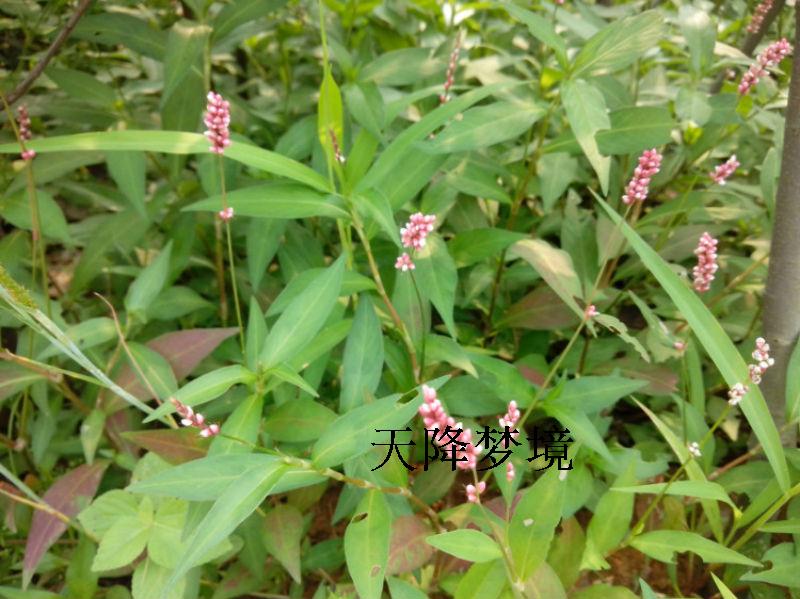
(782, 296)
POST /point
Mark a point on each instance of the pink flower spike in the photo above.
(725, 170)
(706, 253)
(736, 393)
(639, 185)
(758, 16)
(451, 71)
(191, 418)
(763, 360)
(510, 472)
(435, 417)
(770, 57)
(25, 131)
(217, 119)
(679, 345)
(473, 493)
(416, 231)
(226, 213)
(210, 431)
(404, 263)
(590, 311)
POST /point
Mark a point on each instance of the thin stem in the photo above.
(421, 311)
(231, 264)
(376, 275)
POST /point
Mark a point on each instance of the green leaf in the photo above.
(789, 527)
(345, 438)
(240, 12)
(283, 373)
(437, 279)
(83, 86)
(205, 388)
(580, 425)
(366, 544)
(128, 170)
(375, 205)
(700, 34)
(243, 424)
(298, 421)
(109, 507)
(474, 245)
(303, 319)
(235, 504)
(283, 526)
(541, 29)
(185, 45)
(687, 488)
(484, 580)
(717, 344)
(663, 544)
(400, 67)
(119, 28)
(156, 370)
(362, 362)
(151, 581)
(125, 540)
(785, 563)
(206, 479)
(619, 44)
(149, 283)
(91, 433)
(586, 112)
(609, 523)
(467, 544)
(276, 201)
(175, 142)
(329, 116)
(555, 267)
(263, 239)
(724, 591)
(636, 129)
(484, 126)
(16, 209)
(390, 159)
(533, 525)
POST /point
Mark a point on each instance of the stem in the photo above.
(231, 264)
(755, 526)
(376, 275)
(638, 527)
(781, 319)
(419, 301)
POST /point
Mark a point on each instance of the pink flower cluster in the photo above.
(510, 419)
(590, 312)
(473, 493)
(217, 119)
(706, 253)
(763, 360)
(226, 213)
(451, 71)
(25, 131)
(191, 418)
(413, 235)
(435, 417)
(736, 393)
(770, 57)
(725, 170)
(758, 16)
(638, 187)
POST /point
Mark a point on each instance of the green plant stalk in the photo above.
(376, 276)
(231, 264)
(637, 528)
(421, 311)
(755, 526)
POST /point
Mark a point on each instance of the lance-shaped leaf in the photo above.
(587, 114)
(303, 319)
(149, 283)
(66, 496)
(366, 544)
(363, 357)
(235, 504)
(664, 544)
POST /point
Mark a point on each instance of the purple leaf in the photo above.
(65, 496)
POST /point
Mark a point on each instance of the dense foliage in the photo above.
(402, 215)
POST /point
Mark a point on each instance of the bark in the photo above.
(753, 39)
(782, 296)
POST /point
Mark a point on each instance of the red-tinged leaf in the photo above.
(67, 495)
(408, 549)
(540, 310)
(8, 505)
(660, 379)
(174, 445)
(184, 350)
(116, 424)
(534, 376)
